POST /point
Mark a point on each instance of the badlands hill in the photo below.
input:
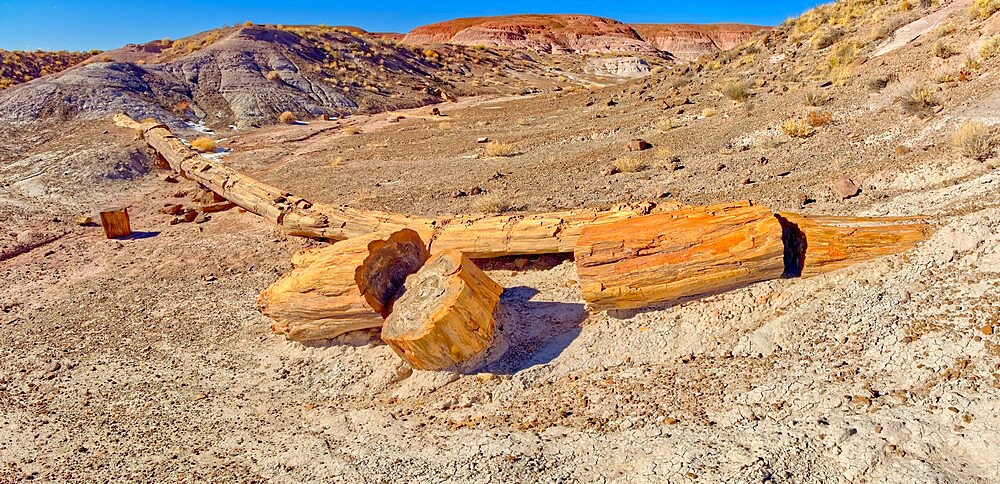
(18, 66)
(147, 358)
(584, 33)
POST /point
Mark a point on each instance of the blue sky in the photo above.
(78, 25)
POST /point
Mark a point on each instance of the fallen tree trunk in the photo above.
(673, 256)
(476, 236)
(319, 298)
(381, 275)
(445, 316)
(822, 244)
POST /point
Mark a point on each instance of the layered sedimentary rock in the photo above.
(690, 41)
(541, 33)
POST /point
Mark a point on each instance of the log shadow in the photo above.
(530, 333)
(795, 243)
(139, 235)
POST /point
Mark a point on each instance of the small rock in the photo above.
(612, 102)
(458, 194)
(176, 220)
(172, 209)
(988, 330)
(201, 218)
(639, 145)
(846, 188)
(720, 167)
(609, 170)
(435, 112)
(484, 139)
(938, 108)
(171, 179)
(85, 221)
(476, 191)
(190, 216)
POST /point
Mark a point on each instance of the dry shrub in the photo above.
(495, 149)
(990, 47)
(919, 101)
(286, 117)
(797, 128)
(182, 107)
(819, 118)
(709, 112)
(629, 164)
(973, 140)
(352, 130)
(814, 98)
(491, 203)
(942, 50)
(273, 76)
(737, 91)
(337, 161)
(205, 145)
(826, 37)
(985, 8)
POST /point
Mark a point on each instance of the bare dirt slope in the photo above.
(146, 358)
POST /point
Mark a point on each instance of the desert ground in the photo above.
(146, 358)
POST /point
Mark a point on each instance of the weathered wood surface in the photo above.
(672, 256)
(831, 243)
(115, 222)
(445, 316)
(319, 298)
(476, 235)
(381, 275)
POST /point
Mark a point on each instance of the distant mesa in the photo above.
(584, 34)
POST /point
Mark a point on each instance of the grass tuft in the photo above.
(973, 140)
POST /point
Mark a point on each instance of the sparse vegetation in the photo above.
(797, 128)
(814, 98)
(990, 47)
(21, 66)
(287, 117)
(709, 112)
(985, 8)
(819, 118)
(352, 130)
(496, 149)
(919, 101)
(738, 91)
(973, 140)
(491, 203)
(205, 145)
(942, 50)
(826, 37)
(273, 75)
(630, 164)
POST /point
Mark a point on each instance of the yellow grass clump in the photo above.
(973, 140)
(985, 8)
(495, 149)
(629, 164)
(797, 128)
(491, 203)
(286, 117)
(205, 145)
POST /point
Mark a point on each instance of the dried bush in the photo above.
(984, 8)
(797, 128)
(819, 118)
(826, 37)
(352, 130)
(942, 50)
(709, 112)
(273, 76)
(287, 117)
(990, 47)
(973, 140)
(812, 97)
(491, 203)
(205, 145)
(629, 164)
(495, 149)
(737, 91)
(919, 101)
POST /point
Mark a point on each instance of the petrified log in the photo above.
(445, 315)
(116, 223)
(319, 298)
(672, 256)
(381, 275)
(821, 244)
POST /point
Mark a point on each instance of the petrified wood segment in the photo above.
(445, 315)
(668, 257)
(381, 275)
(116, 223)
(319, 298)
(822, 244)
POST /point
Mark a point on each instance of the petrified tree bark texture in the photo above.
(381, 275)
(681, 254)
(445, 315)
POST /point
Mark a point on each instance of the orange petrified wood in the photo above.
(445, 316)
(672, 256)
(116, 223)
